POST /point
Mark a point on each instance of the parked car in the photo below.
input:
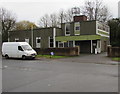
(18, 50)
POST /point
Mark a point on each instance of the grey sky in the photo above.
(32, 10)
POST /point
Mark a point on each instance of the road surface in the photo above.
(57, 75)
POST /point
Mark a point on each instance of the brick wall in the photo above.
(71, 51)
(113, 51)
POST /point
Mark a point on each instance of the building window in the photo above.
(71, 44)
(27, 40)
(67, 29)
(57, 44)
(77, 28)
(38, 42)
(61, 44)
(66, 44)
(103, 27)
(51, 42)
(16, 39)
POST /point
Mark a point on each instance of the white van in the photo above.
(18, 50)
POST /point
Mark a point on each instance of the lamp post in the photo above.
(32, 35)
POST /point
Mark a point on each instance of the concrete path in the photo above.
(91, 58)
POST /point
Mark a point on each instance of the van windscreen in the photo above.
(26, 47)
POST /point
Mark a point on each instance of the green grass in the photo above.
(48, 56)
(116, 58)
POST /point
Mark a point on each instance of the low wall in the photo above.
(68, 51)
(113, 51)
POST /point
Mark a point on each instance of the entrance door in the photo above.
(77, 43)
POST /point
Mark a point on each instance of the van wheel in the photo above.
(23, 57)
(6, 56)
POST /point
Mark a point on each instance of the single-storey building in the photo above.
(88, 35)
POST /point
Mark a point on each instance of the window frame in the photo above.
(37, 42)
(66, 28)
(76, 24)
(51, 42)
(59, 44)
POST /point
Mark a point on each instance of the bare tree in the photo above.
(44, 21)
(61, 16)
(56, 19)
(8, 21)
(95, 10)
(69, 15)
(53, 20)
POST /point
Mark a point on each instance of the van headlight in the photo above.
(33, 54)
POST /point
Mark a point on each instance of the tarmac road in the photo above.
(48, 75)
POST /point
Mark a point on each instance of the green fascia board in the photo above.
(100, 32)
(81, 37)
(104, 38)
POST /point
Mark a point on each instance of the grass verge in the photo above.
(116, 58)
(49, 56)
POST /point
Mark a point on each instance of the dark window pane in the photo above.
(77, 28)
(70, 43)
(66, 44)
(68, 27)
(56, 43)
(67, 32)
(60, 44)
(38, 40)
(51, 44)
(51, 39)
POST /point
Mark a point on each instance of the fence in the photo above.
(68, 51)
(113, 51)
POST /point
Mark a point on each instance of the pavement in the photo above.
(60, 75)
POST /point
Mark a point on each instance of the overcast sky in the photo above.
(32, 10)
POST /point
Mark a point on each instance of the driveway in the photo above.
(91, 58)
